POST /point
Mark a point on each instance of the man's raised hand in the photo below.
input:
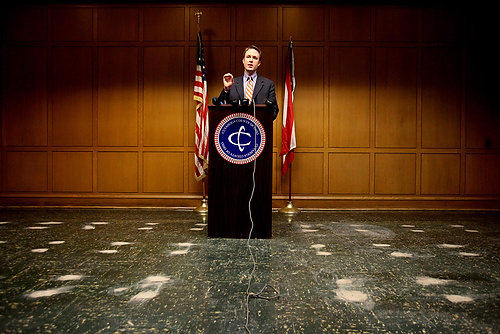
(228, 81)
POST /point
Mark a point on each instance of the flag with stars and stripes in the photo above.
(201, 130)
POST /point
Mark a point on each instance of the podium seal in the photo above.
(240, 138)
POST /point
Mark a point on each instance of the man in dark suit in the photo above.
(250, 86)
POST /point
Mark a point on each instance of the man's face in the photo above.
(251, 61)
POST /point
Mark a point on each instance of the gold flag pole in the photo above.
(289, 208)
(198, 15)
(203, 207)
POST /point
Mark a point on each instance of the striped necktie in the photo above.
(249, 89)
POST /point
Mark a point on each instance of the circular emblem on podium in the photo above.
(240, 138)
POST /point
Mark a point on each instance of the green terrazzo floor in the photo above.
(124, 270)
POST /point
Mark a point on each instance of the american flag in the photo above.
(288, 143)
(201, 131)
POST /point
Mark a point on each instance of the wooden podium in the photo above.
(230, 184)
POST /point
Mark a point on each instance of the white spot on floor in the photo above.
(151, 224)
(305, 225)
(108, 251)
(156, 279)
(120, 243)
(39, 250)
(37, 227)
(459, 299)
(381, 245)
(88, 227)
(450, 246)
(48, 292)
(201, 224)
(468, 254)
(323, 253)
(359, 230)
(406, 225)
(119, 290)
(3, 242)
(144, 296)
(179, 252)
(3, 223)
(100, 223)
(56, 242)
(185, 244)
(317, 246)
(352, 296)
(70, 277)
(196, 228)
(401, 254)
(457, 225)
(418, 231)
(472, 231)
(356, 225)
(425, 280)
(145, 228)
(344, 281)
(51, 223)
(309, 230)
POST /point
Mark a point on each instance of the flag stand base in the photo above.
(289, 208)
(203, 208)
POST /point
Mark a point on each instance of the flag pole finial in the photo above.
(198, 14)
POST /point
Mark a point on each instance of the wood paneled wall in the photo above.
(390, 110)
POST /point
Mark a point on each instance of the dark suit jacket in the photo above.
(263, 90)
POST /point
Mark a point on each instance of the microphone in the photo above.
(273, 105)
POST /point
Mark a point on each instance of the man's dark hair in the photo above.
(255, 48)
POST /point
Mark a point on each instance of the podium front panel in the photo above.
(230, 184)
